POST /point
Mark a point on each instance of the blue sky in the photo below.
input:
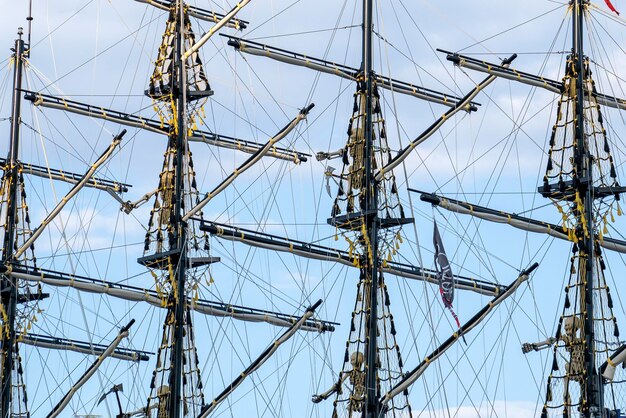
(91, 50)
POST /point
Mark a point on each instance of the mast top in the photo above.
(29, 19)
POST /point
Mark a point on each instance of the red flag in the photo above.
(610, 5)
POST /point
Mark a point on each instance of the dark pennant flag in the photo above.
(444, 276)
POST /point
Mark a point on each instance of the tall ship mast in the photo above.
(581, 181)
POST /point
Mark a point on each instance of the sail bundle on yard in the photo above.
(521, 222)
